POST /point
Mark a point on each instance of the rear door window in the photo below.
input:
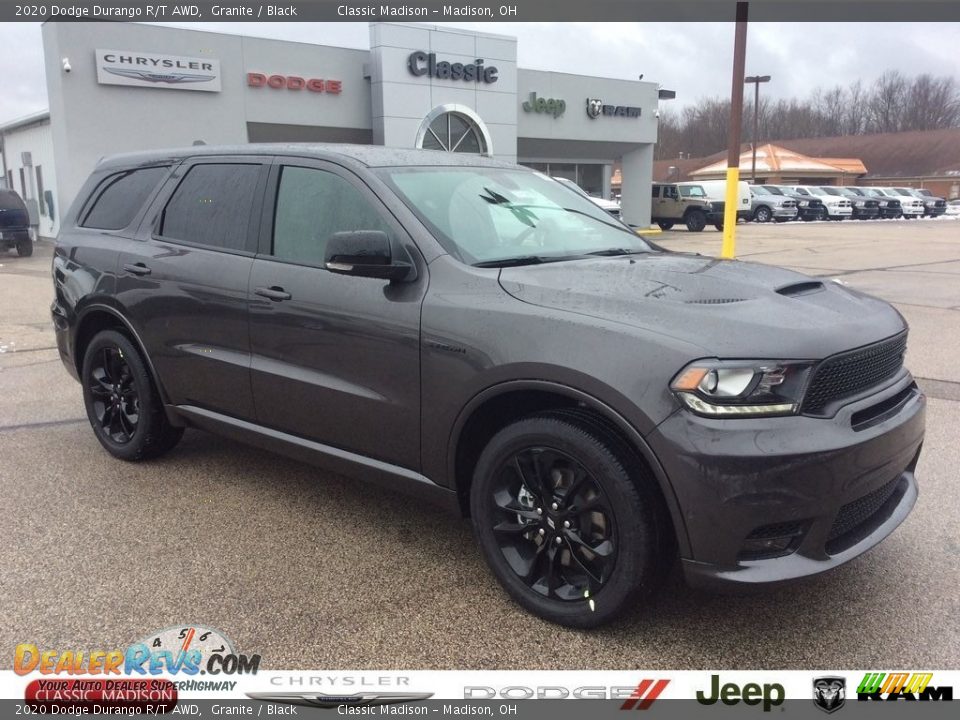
(212, 206)
(118, 198)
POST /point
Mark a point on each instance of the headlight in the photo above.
(741, 388)
(803, 203)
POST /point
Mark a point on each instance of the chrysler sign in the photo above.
(168, 72)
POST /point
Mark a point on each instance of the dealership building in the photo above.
(119, 87)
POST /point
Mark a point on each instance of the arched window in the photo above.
(454, 128)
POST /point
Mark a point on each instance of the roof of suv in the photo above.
(365, 155)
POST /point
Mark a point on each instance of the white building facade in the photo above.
(119, 87)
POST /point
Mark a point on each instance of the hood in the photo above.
(731, 309)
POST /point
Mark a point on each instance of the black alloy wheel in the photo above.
(569, 520)
(122, 402)
(116, 401)
(554, 525)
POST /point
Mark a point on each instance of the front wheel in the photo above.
(665, 224)
(696, 220)
(25, 247)
(123, 405)
(762, 214)
(572, 528)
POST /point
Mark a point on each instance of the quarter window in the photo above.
(120, 196)
(312, 205)
(212, 206)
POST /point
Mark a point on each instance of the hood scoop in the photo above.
(800, 288)
(714, 301)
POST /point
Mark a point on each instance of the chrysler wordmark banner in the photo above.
(168, 72)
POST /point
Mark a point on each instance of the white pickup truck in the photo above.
(839, 207)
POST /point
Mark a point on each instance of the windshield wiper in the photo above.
(525, 260)
(613, 252)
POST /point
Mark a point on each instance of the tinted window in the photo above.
(119, 197)
(212, 206)
(311, 206)
(656, 191)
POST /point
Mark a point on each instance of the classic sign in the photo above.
(420, 63)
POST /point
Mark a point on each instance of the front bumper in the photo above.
(839, 212)
(813, 213)
(782, 212)
(890, 212)
(840, 490)
(865, 213)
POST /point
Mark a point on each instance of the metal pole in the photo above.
(728, 249)
(756, 114)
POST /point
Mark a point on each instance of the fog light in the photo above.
(772, 541)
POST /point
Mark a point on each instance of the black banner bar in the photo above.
(433, 11)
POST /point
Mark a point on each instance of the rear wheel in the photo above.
(123, 405)
(571, 528)
(696, 220)
(25, 247)
(665, 224)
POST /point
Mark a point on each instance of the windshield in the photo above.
(692, 191)
(761, 190)
(773, 189)
(925, 193)
(491, 215)
(831, 191)
(802, 191)
(572, 185)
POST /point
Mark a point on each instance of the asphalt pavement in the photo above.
(313, 571)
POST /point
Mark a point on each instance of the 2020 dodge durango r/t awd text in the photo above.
(477, 334)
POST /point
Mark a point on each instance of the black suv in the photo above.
(476, 334)
(14, 224)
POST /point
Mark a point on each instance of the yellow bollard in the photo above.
(728, 251)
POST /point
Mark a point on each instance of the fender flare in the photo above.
(128, 326)
(631, 434)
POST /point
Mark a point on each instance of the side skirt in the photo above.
(342, 462)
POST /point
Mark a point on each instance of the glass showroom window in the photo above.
(454, 131)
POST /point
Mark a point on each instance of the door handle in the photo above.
(273, 293)
(137, 268)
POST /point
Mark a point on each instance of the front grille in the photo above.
(852, 372)
(859, 518)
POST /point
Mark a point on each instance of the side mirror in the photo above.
(364, 253)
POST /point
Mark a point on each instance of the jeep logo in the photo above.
(549, 106)
(771, 695)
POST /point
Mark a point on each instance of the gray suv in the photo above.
(477, 335)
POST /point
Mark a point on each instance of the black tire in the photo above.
(25, 247)
(122, 402)
(782, 220)
(718, 226)
(696, 220)
(763, 214)
(665, 224)
(623, 501)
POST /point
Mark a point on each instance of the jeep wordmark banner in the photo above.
(167, 72)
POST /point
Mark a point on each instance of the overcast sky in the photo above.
(693, 59)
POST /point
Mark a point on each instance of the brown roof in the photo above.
(918, 153)
(775, 159)
(921, 153)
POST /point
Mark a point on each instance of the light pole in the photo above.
(728, 249)
(756, 80)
